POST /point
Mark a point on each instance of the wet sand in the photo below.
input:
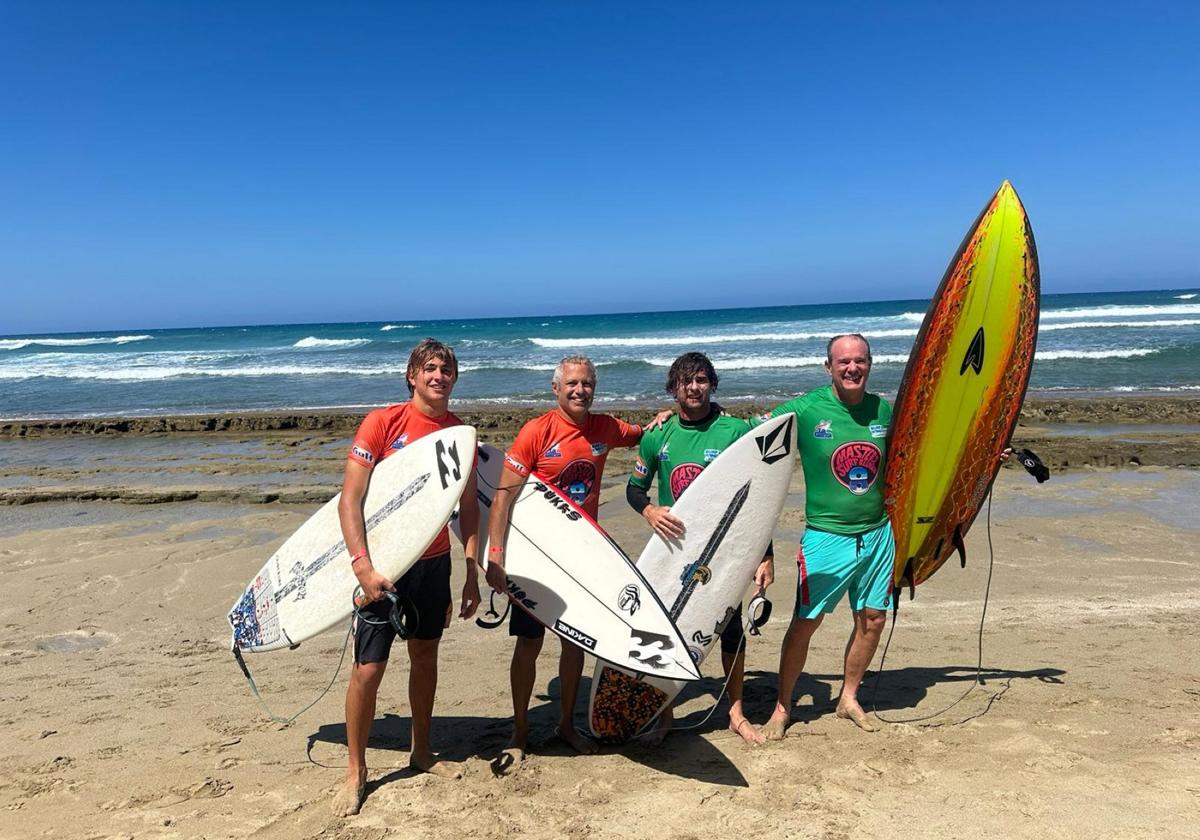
(123, 714)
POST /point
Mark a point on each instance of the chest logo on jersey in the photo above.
(823, 430)
(400, 442)
(577, 479)
(362, 453)
(878, 430)
(553, 451)
(856, 465)
(664, 454)
(682, 476)
(710, 455)
(599, 448)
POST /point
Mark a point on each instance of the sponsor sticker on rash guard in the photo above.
(362, 453)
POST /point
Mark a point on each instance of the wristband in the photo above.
(354, 558)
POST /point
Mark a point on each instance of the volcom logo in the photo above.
(974, 357)
(445, 470)
(776, 445)
(630, 599)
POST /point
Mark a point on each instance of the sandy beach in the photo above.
(124, 542)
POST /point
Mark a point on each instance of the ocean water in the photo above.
(1089, 344)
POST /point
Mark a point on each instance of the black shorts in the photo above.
(427, 585)
(732, 635)
(523, 625)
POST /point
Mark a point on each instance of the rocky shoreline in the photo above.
(1037, 410)
(298, 458)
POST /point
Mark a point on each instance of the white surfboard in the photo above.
(729, 513)
(566, 572)
(307, 585)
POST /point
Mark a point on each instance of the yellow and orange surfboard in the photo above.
(962, 389)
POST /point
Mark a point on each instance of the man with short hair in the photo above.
(432, 373)
(847, 546)
(677, 452)
(567, 448)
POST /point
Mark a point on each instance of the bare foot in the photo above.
(349, 798)
(855, 713)
(510, 757)
(774, 729)
(433, 766)
(746, 731)
(576, 741)
(662, 728)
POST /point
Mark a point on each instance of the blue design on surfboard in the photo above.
(244, 618)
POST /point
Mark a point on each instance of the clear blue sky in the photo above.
(202, 163)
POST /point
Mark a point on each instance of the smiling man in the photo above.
(847, 546)
(432, 372)
(676, 453)
(566, 447)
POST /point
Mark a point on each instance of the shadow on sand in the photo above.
(459, 738)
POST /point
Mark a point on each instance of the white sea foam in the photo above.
(1188, 296)
(758, 362)
(145, 373)
(1123, 311)
(1128, 353)
(507, 366)
(390, 327)
(689, 340)
(1084, 325)
(21, 343)
(1128, 389)
(313, 342)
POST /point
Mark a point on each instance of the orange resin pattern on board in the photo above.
(962, 389)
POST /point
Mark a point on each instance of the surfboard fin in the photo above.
(960, 546)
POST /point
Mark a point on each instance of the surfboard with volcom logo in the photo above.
(729, 512)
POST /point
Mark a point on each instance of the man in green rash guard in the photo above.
(677, 451)
(847, 546)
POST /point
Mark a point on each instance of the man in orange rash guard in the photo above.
(432, 372)
(567, 447)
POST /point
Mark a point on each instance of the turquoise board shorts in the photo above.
(835, 564)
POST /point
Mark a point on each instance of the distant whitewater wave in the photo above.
(757, 362)
(912, 316)
(688, 340)
(20, 343)
(312, 341)
(144, 373)
(1185, 297)
(1123, 311)
(1057, 355)
(502, 366)
(1082, 325)
(390, 327)
(1126, 389)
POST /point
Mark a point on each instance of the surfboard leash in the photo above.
(758, 613)
(978, 682)
(237, 654)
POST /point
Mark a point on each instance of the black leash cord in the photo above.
(978, 683)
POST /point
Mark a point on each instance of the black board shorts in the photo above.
(427, 585)
(522, 625)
